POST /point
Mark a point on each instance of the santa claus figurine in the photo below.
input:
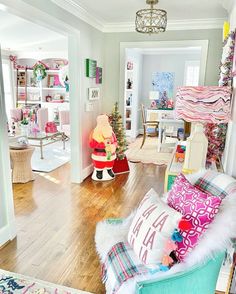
(104, 142)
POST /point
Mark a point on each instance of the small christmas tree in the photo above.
(118, 129)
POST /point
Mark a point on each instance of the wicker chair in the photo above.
(150, 128)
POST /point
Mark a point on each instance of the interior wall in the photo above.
(164, 63)
(92, 45)
(112, 57)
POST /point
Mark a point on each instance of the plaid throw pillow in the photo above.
(216, 184)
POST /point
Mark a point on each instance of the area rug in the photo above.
(149, 153)
(15, 283)
(54, 157)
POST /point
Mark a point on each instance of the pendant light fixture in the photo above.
(151, 20)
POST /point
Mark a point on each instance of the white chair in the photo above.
(64, 118)
(42, 118)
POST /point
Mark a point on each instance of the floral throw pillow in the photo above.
(197, 207)
(152, 225)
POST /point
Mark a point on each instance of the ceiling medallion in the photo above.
(151, 20)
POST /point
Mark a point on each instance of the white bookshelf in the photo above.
(131, 95)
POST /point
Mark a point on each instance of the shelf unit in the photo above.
(132, 81)
(30, 93)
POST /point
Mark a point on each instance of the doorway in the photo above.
(73, 37)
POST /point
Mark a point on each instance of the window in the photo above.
(191, 75)
(7, 81)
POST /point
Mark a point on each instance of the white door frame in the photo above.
(7, 218)
(35, 15)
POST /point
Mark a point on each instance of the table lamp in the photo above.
(199, 105)
(154, 96)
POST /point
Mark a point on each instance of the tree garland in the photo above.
(39, 71)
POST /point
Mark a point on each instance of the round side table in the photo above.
(21, 165)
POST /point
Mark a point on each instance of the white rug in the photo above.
(18, 284)
(149, 153)
(54, 157)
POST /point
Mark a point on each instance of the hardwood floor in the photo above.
(56, 222)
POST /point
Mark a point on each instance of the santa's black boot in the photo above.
(110, 172)
(97, 175)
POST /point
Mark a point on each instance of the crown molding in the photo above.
(172, 25)
(75, 9)
(98, 23)
(228, 4)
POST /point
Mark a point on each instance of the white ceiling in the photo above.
(116, 11)
(119, 15)
(17, 34)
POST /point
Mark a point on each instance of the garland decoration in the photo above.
(39, 71)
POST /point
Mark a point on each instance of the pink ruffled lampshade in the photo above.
(208, 104)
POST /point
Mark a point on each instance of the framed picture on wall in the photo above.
(93, 93)
(91, 66)
(98, 75)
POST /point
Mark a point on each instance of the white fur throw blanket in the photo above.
(215, 239)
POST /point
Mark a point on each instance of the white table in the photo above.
(166, 120)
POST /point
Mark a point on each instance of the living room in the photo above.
(61, 250)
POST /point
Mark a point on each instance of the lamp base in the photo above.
(196, 149)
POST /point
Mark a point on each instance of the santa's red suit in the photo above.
(102, 156)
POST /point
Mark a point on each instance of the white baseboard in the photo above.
(87, 171)
(7, 233)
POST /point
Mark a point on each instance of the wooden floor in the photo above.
(56, 223)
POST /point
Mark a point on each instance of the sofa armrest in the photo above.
(200, 279)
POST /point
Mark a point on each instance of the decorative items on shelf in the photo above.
(48, 98)
(21, 78)
(121, 163)
(39, 71)
(104, 143)
(129, 84)
(130, 65)
(129, 99)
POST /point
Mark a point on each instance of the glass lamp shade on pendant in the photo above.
(151, 20)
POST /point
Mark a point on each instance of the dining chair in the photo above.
(150, 127)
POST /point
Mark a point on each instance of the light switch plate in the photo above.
(89, 106)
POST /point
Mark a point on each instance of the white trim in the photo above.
(7, 220)
(75, 9)
(172, 25)
(87, 171)
(7, 233)
(187, 24)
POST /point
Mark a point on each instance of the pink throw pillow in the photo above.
(197, 207)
